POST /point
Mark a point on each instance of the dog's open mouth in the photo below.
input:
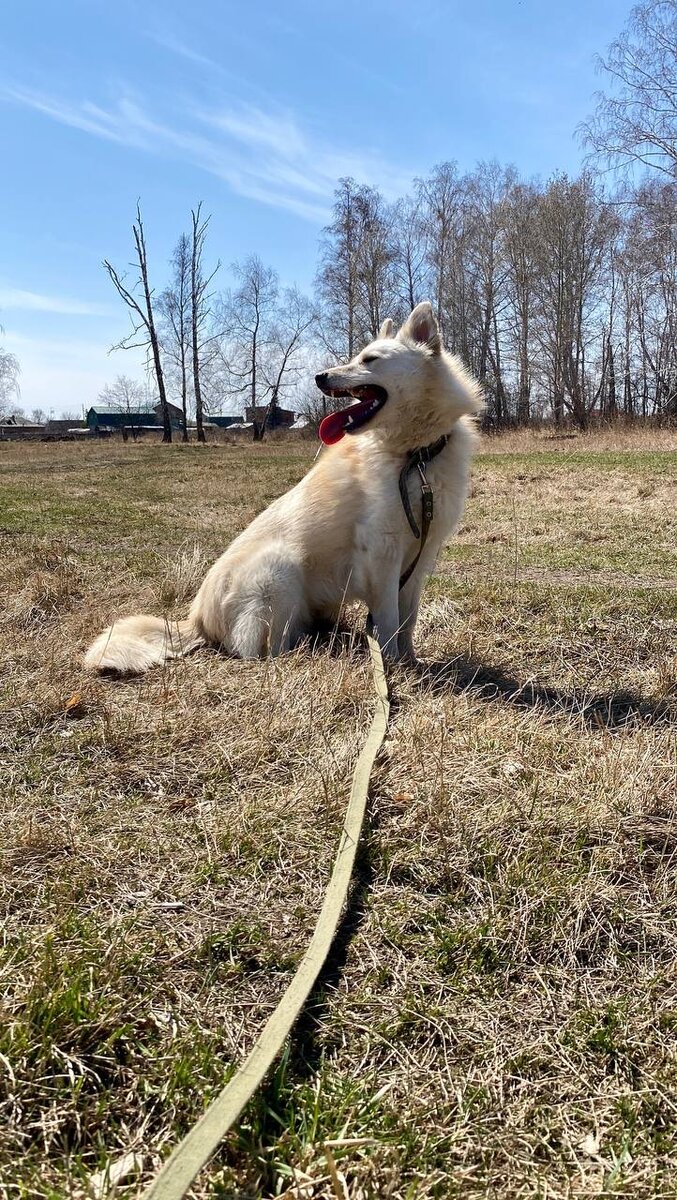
(370, 399)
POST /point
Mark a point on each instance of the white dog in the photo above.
(344, 532)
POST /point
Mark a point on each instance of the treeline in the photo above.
(562, 300)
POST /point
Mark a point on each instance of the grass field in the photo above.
(500, 1016)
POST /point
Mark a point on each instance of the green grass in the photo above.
(588, 513)
(498, 1018)
(630, 462)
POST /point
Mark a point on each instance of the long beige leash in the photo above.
(201, 1141)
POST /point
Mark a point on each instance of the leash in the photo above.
(418, 460)
(197, 1147)
(192, 1154)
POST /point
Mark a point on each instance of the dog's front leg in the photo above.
(409, 601)
(410, 598)
(385, 620)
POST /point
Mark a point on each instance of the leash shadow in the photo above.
(611, 711)
(309, 1043)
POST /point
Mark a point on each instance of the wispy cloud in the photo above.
(262, 154)
(90, 118)
(175, 46)
(15, 299)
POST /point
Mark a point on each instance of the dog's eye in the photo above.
(369, 359)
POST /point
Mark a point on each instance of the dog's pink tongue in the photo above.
(333, 427)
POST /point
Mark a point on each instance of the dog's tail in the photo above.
(135, 644)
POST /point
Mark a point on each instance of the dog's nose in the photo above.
(321, 379)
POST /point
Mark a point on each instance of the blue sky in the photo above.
(256, 110)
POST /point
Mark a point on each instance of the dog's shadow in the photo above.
(612, 711)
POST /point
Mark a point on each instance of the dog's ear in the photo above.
(387, 329)
(421, 328)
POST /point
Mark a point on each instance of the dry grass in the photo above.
(499, 1017)
(609, 438)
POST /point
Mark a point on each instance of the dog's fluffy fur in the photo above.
(341, 534)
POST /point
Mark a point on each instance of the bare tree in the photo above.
(635, 122)
(176, 307)
(142, 316)
(575, 233)
(647, 270)
(409, 256)
(286, 352)
(127, 396)
(441, 201)
(534, 288)
(636, 119)
(520, 250)
(376, 254)
(9, 381)
(337, 274)
(486, 270)
(249, 311)
(200, 309)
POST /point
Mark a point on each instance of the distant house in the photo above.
(222, 421)
(108, 420)
(278, 418)
(16, 428)
(175, 415)
(18, 421)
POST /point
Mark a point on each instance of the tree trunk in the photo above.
(152, 333)
(159, 375)
(195, 321)
(611, 405)
(524, 389)
(196, 387)
(184, 405)
(184, 387)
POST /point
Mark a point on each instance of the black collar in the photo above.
(426, 454)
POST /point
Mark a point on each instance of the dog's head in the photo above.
(405, 386)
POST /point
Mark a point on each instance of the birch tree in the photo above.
(249, 311)
(636, 116)
(138, 297)
(176, 308)
(200, 310)
(9, 381)
(286, 351)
